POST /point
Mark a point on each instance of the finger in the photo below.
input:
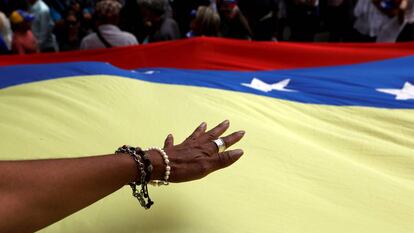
(233, 138)
(201, 129)
(215, 132)
(225, 159)
(169, 141)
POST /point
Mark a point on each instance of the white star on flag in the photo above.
(406, 93)
(151, 72)
(258, 84)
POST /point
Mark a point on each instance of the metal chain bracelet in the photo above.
(145, 169)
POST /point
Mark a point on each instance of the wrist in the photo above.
(145, 169)
(129, 165)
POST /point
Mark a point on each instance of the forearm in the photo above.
(38, 193)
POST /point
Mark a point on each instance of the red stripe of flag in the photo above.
(226, 54)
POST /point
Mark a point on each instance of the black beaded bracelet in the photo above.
(145, 169)
(147, 162)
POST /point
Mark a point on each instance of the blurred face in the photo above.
(72, 27)
(149, 17)
(75, 7)
(71, 21)
(87, 16)
(227, 8)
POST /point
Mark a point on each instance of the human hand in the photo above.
(197, 156)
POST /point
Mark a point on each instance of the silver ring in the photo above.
(220, 145)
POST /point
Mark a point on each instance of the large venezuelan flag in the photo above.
(329, 144)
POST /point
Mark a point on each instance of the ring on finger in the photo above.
(221, 145)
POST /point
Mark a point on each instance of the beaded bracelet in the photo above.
(145, 169)
(167, 167)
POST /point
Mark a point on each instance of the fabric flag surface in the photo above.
(329, 143)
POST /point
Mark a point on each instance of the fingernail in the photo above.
(169, 135)
(203, 125)
(226, 122)
(242, 132)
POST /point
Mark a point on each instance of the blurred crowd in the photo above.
(32, 26)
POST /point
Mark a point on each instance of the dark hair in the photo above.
(156, 6)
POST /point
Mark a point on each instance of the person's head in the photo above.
(228, 8)
(206, 22)
(75, 6)
(107, 12)
(152, 11)
(21, 20)
(71, 19)
(72, 25)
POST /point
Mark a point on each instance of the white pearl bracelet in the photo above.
(167, 168)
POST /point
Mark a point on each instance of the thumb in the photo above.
(169, 141)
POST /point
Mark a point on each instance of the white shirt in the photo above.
(372, 22)
(5, 30)
(112, 34)
(42, 25)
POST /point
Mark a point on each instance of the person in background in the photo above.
(86, 22)
(206, 22)
(233, 23)
(338, 18)
(70, 39)
(303, 19)
(83, 11)
(262, 17)
(184, 12)
(107, 33)
(5, 31)
(57, 8)
(160, 26)
(407, 33)
(131, 20)
(3, 46)
(381, 20)
(23, 40)
(43, 26)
